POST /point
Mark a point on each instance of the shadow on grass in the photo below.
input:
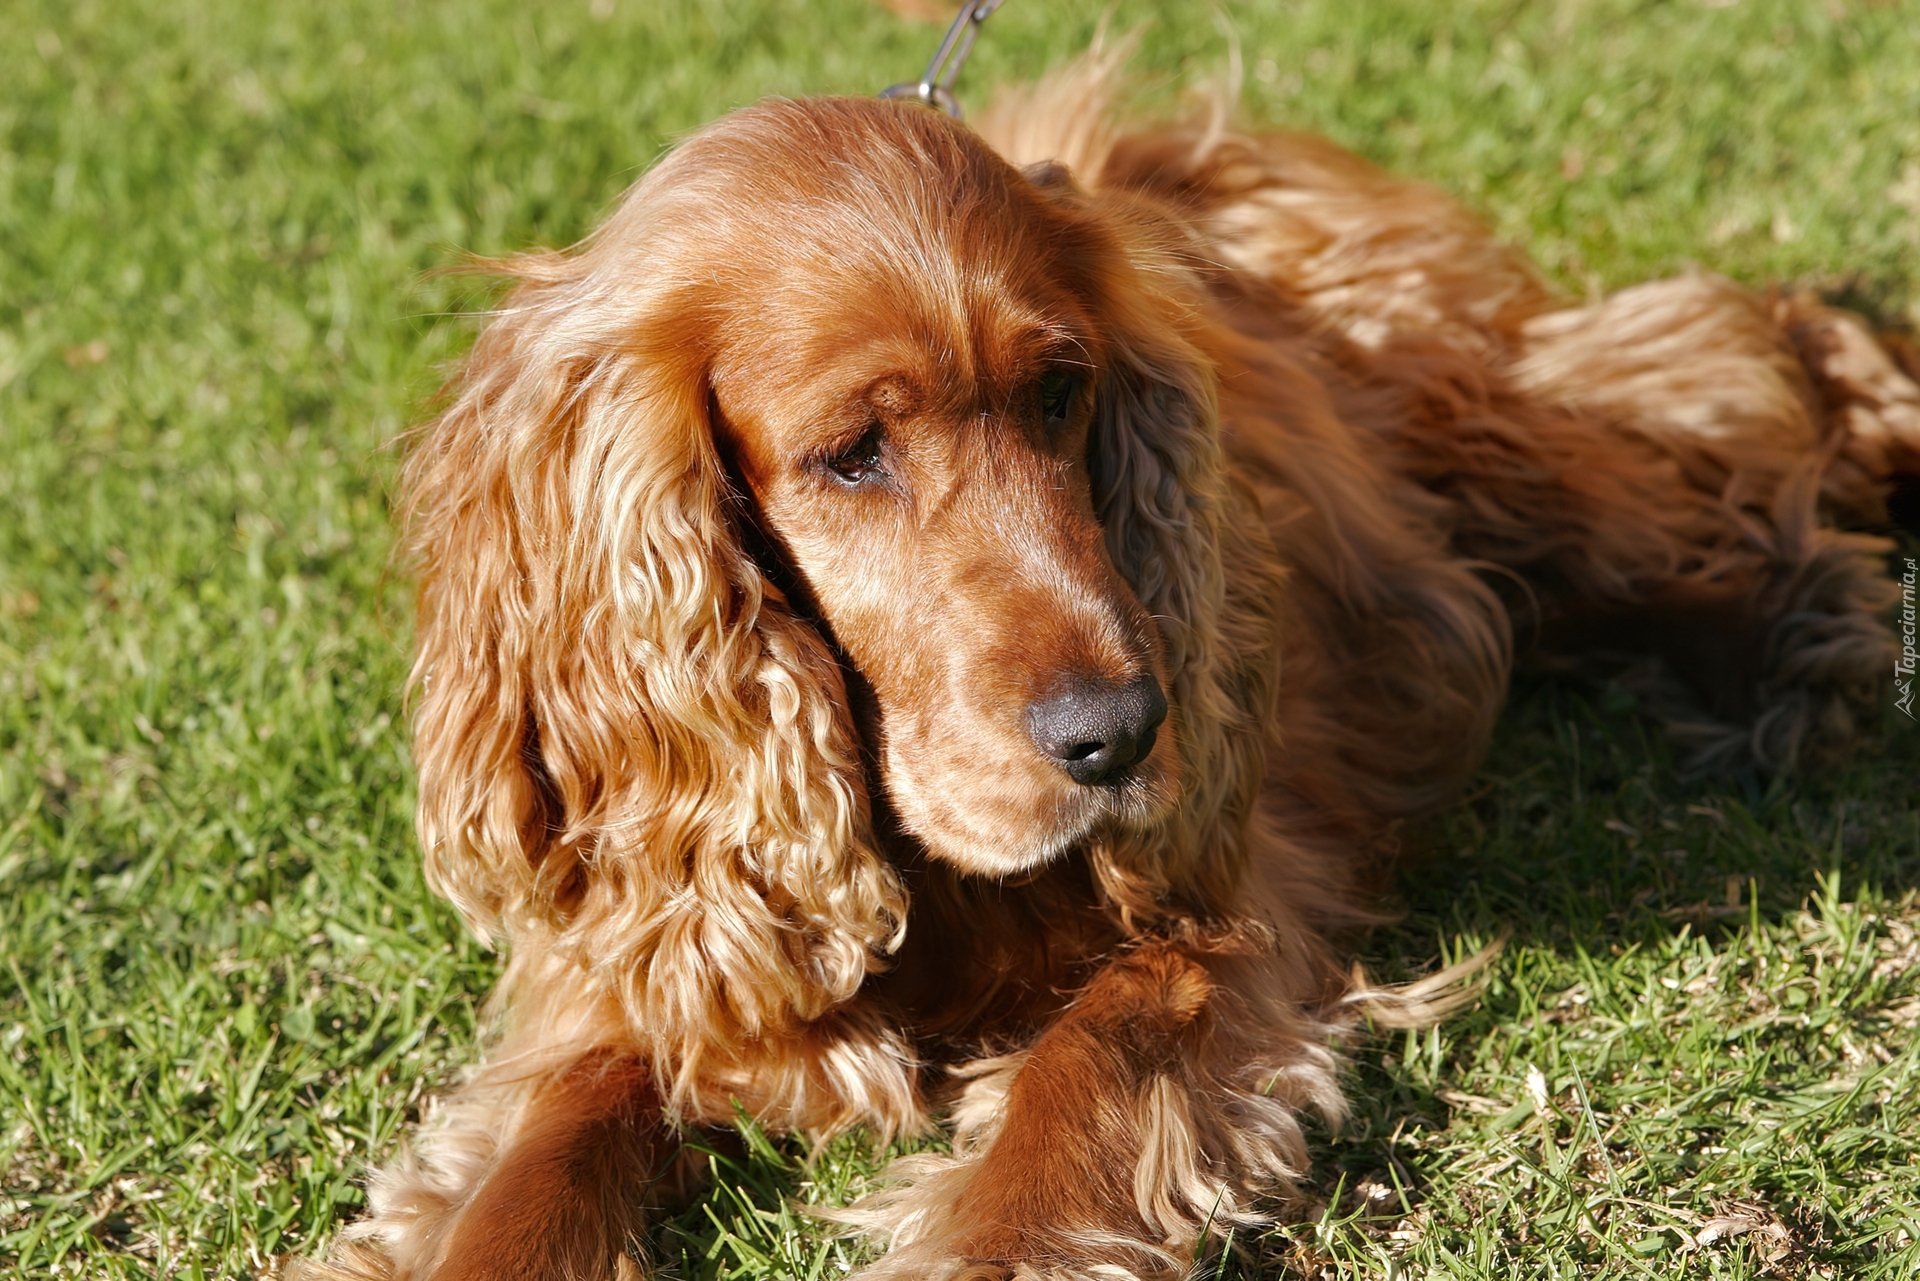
(1582, 831)
(1703, 1017)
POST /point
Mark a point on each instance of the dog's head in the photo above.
(904, 366)
(844, 452)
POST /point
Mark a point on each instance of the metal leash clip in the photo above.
(935, 88)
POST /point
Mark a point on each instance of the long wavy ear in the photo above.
(630, 751)
(1161, 491)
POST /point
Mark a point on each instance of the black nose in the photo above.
(1097, 731)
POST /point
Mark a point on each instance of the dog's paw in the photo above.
(918, 1263)
(925, 1219)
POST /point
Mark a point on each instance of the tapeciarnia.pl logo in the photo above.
(1903, 666)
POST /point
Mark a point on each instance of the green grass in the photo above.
(225, 987)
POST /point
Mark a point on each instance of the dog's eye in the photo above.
(860, 460)
(1056, 397)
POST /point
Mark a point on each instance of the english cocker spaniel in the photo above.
(920, 622)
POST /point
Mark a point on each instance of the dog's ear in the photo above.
(1161, 493)
(1158, 475)
(628, 746)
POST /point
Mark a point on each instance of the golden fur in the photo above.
(720, 733)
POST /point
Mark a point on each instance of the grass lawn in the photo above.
(223, 985)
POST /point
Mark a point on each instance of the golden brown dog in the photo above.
(914, 620)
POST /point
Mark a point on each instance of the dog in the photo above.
(918, 621)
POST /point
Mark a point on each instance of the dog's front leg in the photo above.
(534, 1172)
(562, 1199)
(1133, 1126)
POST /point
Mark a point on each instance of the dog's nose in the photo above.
(1096, 730)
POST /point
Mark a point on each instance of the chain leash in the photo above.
(935, 88)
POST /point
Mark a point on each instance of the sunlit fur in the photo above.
(728, 753)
